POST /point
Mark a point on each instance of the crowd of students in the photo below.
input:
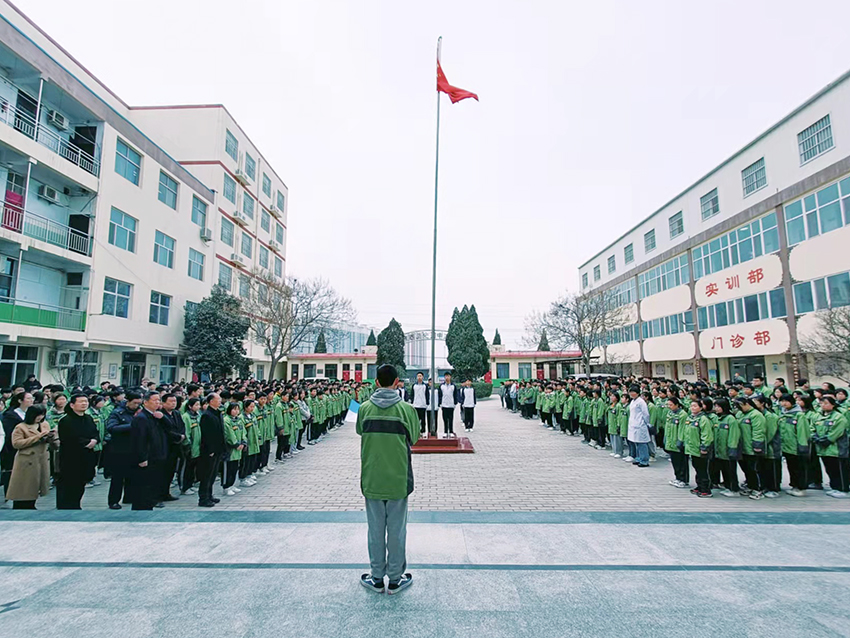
(724, 431)
(147, 440)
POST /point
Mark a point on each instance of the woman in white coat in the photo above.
(639, 427)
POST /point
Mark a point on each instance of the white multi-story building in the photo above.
(727, 276)
(417, 350)
(111, 224)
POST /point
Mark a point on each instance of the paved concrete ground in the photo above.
(518, 466)
(94, 578)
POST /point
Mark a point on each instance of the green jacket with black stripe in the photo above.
(388, 427)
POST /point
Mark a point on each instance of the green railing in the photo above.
(26, 313)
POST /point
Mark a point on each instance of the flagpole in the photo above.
(435, 381)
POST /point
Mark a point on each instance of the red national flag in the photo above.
(454, 93)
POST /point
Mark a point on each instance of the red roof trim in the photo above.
(535, 354)
(333, 355)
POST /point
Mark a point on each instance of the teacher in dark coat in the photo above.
(149, 449)
(78, 435)
(212, 449)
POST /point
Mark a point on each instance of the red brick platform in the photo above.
(460, 445)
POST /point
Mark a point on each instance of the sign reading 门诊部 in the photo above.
(770, 336)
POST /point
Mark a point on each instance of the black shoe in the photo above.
(299, 447)
(695, 491)
(168, 498)
(115, 506)
(206, 504)
(372, 584)
(215, 500)
(402, 583)
(159, 505)
(705, 494)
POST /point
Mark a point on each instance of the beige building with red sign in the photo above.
(729, 276)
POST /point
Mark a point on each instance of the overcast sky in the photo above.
(592, 115)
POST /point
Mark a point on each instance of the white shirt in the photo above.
(468, 397)
(638, 421)
(448, 396)
(419, 399)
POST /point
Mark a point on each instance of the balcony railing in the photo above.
(27, 313)
(22, 221)
(25, 123)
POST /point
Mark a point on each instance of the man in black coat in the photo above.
(212, 450)
(149, 445)
(77, 460)
(175, 430)
(119, 454)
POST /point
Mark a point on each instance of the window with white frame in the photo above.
(823, 293)
(116, 298)
(265, 220)
(670, 325)
(280, 201)
(278, 266)
(597, 273)
(231, 145)
(629, 254)
(278, 234)
(225, 276)
(677, 225)
(122, 230)
(664, 276)
(199, 212)
(244, 286)
(128, 162)
(765, 305)
(196, 264)
(17, 363)
(229, 189)
(168, 368)
(267, 185)
(754, 177)
(247, 246)
(584, 281)
(818, 213)
(167, 190)
(264, 256)
(815, 140)
(649, 241)
(160, 306)
(250, 166)
(524, 370)
(163, 250)
(624, 293)
(757, 238)
(248, 205)
(709, 204)
(612, 264)
(623, 334)
(227, 231)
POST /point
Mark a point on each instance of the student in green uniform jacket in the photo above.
(567, 412)
(753, 434)
(282, 428)
(697, 442)
(583, 402)
(191, 444)
(833, 446)
(771, 467)
(612, 416)
(251, 461)
(727, 447)
(538, 401)
(558, 408)
(795, 433)
(546, 404)
(235, 441)
(674, 430)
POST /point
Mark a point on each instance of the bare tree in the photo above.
(284, 314)
(577, 321)
(829, 343)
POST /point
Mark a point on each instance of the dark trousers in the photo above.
(69, 491)
(186, 476)
(814, 470)
(700, 464)
(300, 436)
(282, 446)
(146, 483)
(798, 471)
(562, 424)
(420, 412)
(167, 470)
(231, 471)
(770, 474)
(680, 466)
(729, 469)
(468, 417)
(838, 471)
(750, 465)
(207, 470)
(547, 418)
(23, 505)
(448, 420)
(265, 452)
(601, 434)
(120, 467)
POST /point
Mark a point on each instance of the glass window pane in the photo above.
(839, 290)
(771, 240)
(812, 224)
(768, 221)
(828, 194)
(796, 231)
(745, 248)
(803, 299)
(794, 210)
(721, 314)
(777, 303)
(830, 217)
(820, 294)
(809, 202)
(751, 308)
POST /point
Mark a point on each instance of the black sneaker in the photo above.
(705, 494)
(402, 583)
(115, 506)
(300, 447)
(695, 491)
(372, 584)
(206, 504)
(215, 500)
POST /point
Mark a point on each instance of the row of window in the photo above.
(664, 276)
(246, 247)
(231, 147)
(765, 305)
(760, 237)
(813, 141)
(827, 292)
(670, 325)
(249, 205)
(818, 213)
(122, 234)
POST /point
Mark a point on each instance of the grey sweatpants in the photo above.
(387, 537)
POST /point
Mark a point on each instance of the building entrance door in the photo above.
(747, 367)
(132, 369)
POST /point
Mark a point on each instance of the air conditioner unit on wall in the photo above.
(206, 234)
(240, 174)
(240, 218)
(274, 245)
(62, 358)
(48, 193)
(236, 258)
(275, 211)
(57, 120)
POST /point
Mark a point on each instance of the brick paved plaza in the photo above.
(518, 466)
